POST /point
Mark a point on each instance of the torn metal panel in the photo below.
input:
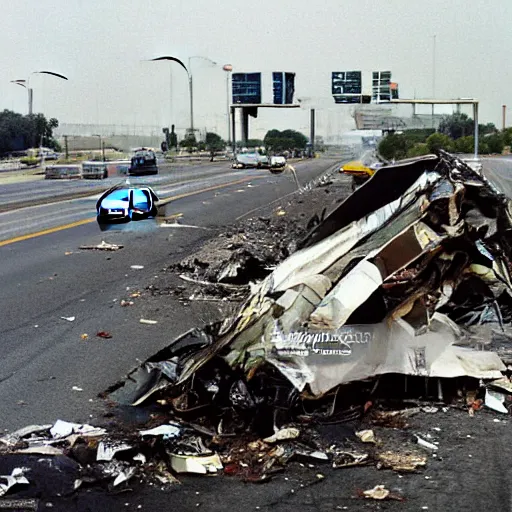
(14, 437)
(446, 198)
(15, 478)
(407, 217)
(63, 429)
(479, 222)
(396, 349)
(314, 260)
(357, 286)
(388, 184)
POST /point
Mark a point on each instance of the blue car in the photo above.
(126, 203)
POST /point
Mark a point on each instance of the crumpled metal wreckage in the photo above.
(401, 278)
(387, 283)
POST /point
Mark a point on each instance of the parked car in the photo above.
(126, 203)
(143, 162)
(51, 156)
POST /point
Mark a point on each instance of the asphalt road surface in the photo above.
(48, 371)
(48, 190)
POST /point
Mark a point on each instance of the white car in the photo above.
(277, 162)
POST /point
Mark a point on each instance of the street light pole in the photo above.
(26, 84)
(228, 68)
(190, 86)
(433, 78)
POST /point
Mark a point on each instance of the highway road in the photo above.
(499, 171)
(42, 190)
(23, 222)
(48, 371)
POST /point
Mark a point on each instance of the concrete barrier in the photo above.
(10, 165)
(100, 170)
(55, 172)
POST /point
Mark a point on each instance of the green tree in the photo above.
(254, 143)
(189, 142)
(214, 143)
(286, 140)
(486, 129)
(438, 141)
(456, 125)
(495, 143)
(507, 136)
(394, 146)
(18, 132)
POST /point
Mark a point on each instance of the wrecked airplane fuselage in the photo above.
(385, 284)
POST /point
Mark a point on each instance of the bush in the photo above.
(438, 141)
(465, 144)
(29, 160)
(419, 149)
(507, 136)
(495, 143)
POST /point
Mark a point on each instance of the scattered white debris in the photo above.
(68, 318)
(65, 428)
(379, 492)
(124, 476)
(495, 400)
(104, 246)
(140, 457)
(148, 322)
(106, 451)
(283, 435)
(167, 431)
(366, 436)
(426, 444)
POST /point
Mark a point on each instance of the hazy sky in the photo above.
(101, 47)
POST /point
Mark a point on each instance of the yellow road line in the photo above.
(47, 231)
(88, 221)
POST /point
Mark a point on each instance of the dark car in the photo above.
(126, 203)
(143, 162)
(246, 160)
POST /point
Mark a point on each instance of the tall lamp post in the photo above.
(191, 86)
(190, 82)
(228, 68)
(26, 84)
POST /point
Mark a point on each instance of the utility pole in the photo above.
(312, 132)
(475, 117)
(504, 107)
(66, 148)
(433, 78)
(233, 130)
(30, 101)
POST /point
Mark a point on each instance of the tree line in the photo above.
(275, 141)
(19, 132)
(455, 134)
